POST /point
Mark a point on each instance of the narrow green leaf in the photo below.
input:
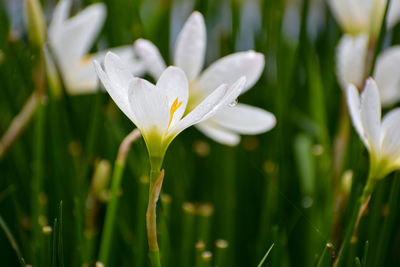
(265, 256)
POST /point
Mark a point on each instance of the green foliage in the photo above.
(275, 188)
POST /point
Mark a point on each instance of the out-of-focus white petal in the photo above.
(351, 56)
(174, 84)
(394, 13)
(77, 36)
(218, 134)
(371, 114)
(82, 79)
(353, 102)
(391, 134)
(244, 119)
(118, 94)
(60, 14)
(151, 57)
(149, 105)
(190, 46)
(387, 75)
(127, 54)
(353, 15)
(229, 69)
(117, 71)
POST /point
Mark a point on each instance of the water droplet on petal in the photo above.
(234, 103)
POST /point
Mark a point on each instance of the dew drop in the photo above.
(234, 103)
(307, 202)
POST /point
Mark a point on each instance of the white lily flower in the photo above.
(364, 16)
(70, 40)
(351, 63)
(189, 55)
(382, 139)
(160, 111)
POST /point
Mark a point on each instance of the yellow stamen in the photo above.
(174, 107)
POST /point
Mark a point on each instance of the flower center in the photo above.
(174, 107)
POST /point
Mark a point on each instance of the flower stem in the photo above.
(358, 212)
(156, 179)
(19, 123)
(106, 237)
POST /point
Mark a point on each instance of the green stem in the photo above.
(12, 241)
(107, 235)
(389, 225)
(358, 212)
(156, 179)
(106, 238)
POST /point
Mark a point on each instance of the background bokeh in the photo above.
(272, 188)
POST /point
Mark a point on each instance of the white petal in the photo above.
(174, 84)
(371, 114)
(219, 135)
(351, 57)
(149, 105)
(204, 108)
(82, 79)
(117, 71)
(352, 15)
(230, 68)
(151, 57)
(231, 96)
(391, 133)
(394, 13)
(128, 56)
(190, 46)
(118, 94)
(77, 35)
(218, 99)
(353, 102)
(244, 119)
(387, 75)
(60, 14)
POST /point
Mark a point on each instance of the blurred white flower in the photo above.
(160, 111)
(351, 67)
(189, 55)
(387, 75)
(382, 139)
(364, 16)
(70, 40)
(351, 57)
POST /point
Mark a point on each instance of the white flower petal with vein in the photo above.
(189, 55)
(160, 110)
(382, 138)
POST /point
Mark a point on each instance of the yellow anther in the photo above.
(174, 107)
(85, 59)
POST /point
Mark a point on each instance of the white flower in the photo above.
(364, 16)
(190, 47)
(351, 67)
(70, 40)
(382, 139)
(160, 111)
